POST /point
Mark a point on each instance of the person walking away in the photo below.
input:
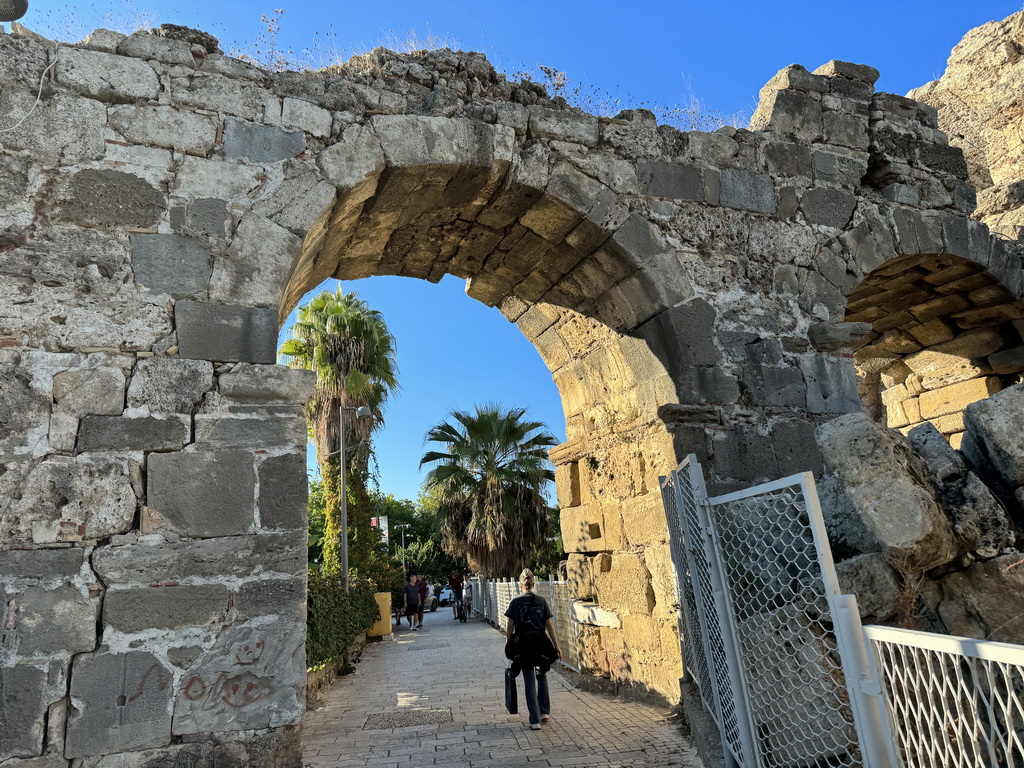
(529, 648)
(467, 597)
(456, 583)
(422, 585)
(411, 600)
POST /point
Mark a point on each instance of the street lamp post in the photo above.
(362, 412)
(403, 526)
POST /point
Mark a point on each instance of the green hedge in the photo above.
(334, 618)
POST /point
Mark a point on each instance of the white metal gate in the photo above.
(773, 647)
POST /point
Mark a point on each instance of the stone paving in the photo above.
(452, 672)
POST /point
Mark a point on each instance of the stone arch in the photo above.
(944, 332)
(686, 289)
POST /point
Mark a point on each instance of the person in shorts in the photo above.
(421, 584)
(411, 600)
(467, 598)
(455, 582)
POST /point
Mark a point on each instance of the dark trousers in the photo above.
(537, 701)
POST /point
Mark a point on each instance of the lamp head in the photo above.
(362, 412)
(12, 10)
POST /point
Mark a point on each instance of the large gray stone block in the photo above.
(23, 705)
(283, 492)
(114, 433)
(994, 443)
(169, 384)
(226, 332)
(172, 264)
(272, 597)
(281, 554)
(137, 610)
(259, 427)
(44, 622)
(261, 143)
(829, 207)
(253, 677)
(105, 76)
(748, 191)
(205, 216)
(198, 755)
(99, 389)
(165, 126)
(122, 703)
(831, 385)
(202, 494)
(31, 565)
(260, 384)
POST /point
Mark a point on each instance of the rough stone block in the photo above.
(957, 397)
(123, 703)
(261, 143)
(875, 584)
(283, 492)
(226, 332)
(579, 577)
(165, 126)
(200, 179)
(272, 597)
(172, 264)
(795, 449)
(984, 600)
(163, 385)
(138, 610)
(995, 447)
(743, 453)
(860, 72)
(46, 622)
(259, 427)
(831, 385)
(567, 483)
(769, 385)
(147, 44)
(114, 433)
(563, 126)
(625, 586)
(205, 216)
(203, 494)
(98, 390)
(107, 198)
(66, 499)
(33, 565)
(105, 76)
(829, 207)
(22, 695)
(252, 678)
(68, 126)
(748, 191)
(237, 557)
(245, 275)
(679, 182)
(885, 483)
(265, 384)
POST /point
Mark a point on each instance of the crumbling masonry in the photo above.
(163, 207)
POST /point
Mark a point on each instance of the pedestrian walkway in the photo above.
(435, 696)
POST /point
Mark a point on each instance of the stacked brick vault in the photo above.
(163, 207)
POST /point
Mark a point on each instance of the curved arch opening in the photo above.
(944, 333)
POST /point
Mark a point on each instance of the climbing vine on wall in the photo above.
(334, 618)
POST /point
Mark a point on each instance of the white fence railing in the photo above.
(784, 666)
(496, 594)
(953, 701)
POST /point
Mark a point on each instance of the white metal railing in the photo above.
(492, 596)
(953, 701)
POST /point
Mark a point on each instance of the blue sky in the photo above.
(452, 351)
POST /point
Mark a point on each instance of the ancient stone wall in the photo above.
(980, 99)
(164, 206)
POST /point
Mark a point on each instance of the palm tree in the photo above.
(350, 349)
(490, 473)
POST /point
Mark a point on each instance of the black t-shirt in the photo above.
(412, 594)
(530, 613)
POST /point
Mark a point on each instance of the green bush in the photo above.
(335, 618)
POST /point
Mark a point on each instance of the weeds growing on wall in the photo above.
(335, 618)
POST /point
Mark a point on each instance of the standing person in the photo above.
(467, 597)
(529, 648)
(456, 583)
(411, 600)
(422, 585)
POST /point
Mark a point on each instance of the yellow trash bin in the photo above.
(383, 626)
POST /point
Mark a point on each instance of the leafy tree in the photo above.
(350, 349)
(423, 553)
(489, 473)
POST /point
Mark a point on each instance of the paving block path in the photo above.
(435, 696)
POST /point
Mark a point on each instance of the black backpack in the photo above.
(530, 621)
